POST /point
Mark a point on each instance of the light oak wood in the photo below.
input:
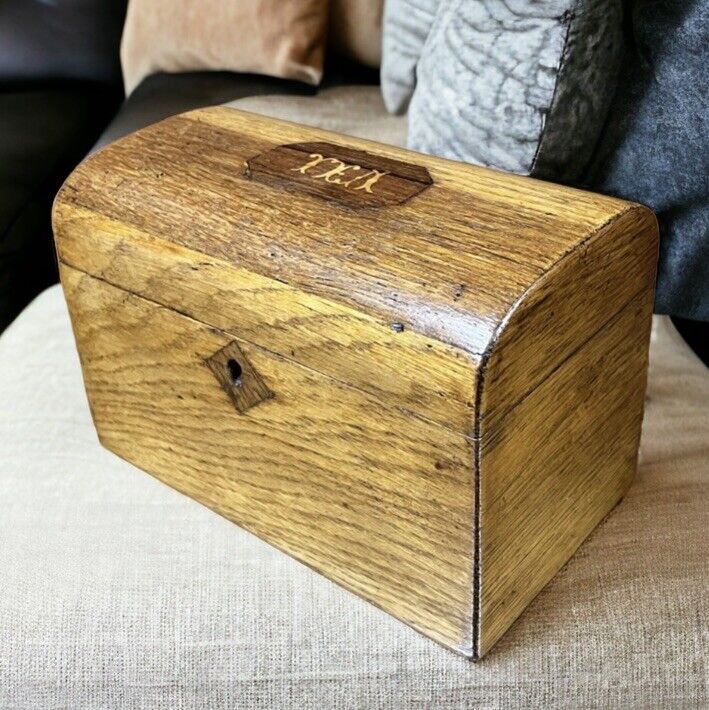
(327, 473)
(419, 374)
(423, 379)
(560, 461)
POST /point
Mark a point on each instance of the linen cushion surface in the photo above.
(352, 110)
(282, 38)
(356, 30)
(116, 591)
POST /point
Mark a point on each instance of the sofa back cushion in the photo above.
(283, 38)
(356, 30)
(654, 147)
(62, 39)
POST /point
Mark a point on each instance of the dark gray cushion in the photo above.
(655, 146)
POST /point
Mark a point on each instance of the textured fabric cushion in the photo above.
(283, 38)
(406, 27)
(356, 30)
(117, 592)
(522, 86)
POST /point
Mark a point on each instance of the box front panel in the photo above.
(377, 500)
(408, 370)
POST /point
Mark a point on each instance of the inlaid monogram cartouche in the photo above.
(336, 170)
(338, 174)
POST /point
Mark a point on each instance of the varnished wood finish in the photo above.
(378, 501)
(418, 374)
(452, 376)
(449, 264)
(558, 463)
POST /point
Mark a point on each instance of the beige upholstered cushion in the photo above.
(353, 110)
(356, 30)
(283, 38)
(117, 592)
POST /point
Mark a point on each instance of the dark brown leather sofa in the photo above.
(60, 94)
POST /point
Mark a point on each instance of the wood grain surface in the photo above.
(419, 374)
(432, 400)
(559, 463)
(449, 263)
(335, 477)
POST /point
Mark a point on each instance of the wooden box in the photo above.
(423, 379)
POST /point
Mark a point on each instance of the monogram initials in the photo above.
(339, 174)
(337, 168)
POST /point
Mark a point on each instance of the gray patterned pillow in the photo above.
(406, 26)
(520, 85)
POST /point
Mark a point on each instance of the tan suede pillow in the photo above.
(356, 30)
(283, 38)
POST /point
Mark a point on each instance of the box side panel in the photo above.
(564, 457)
(418, 374)
(377, 500)
(556, 462)
(570, 303)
